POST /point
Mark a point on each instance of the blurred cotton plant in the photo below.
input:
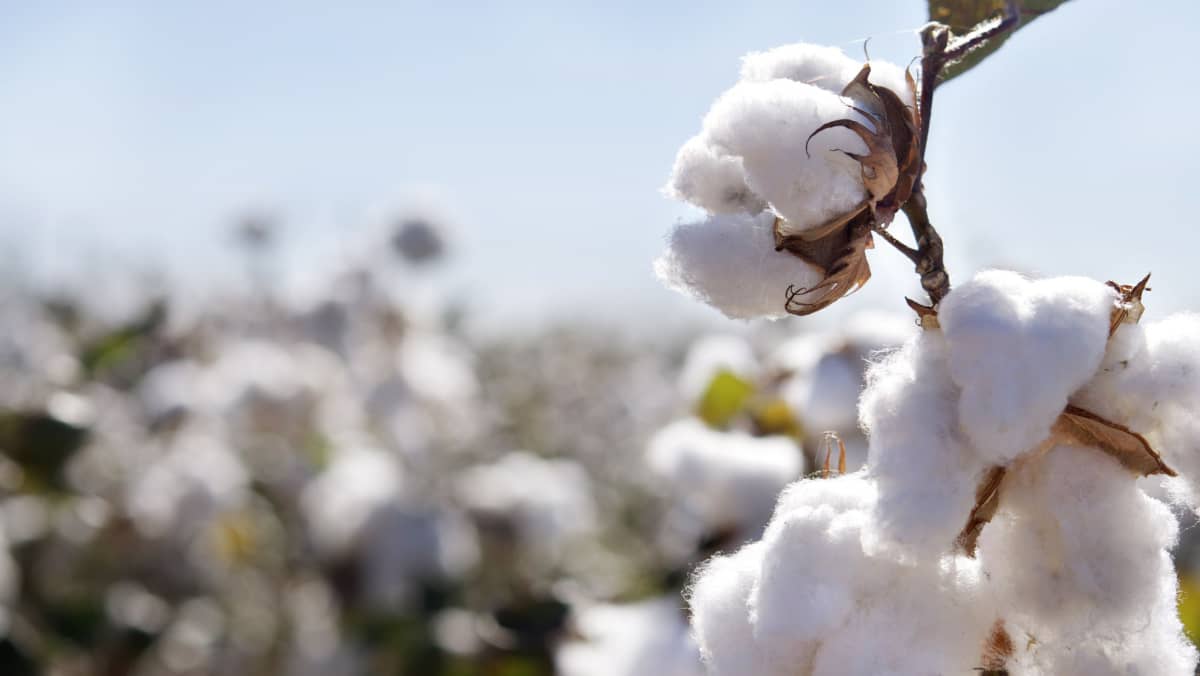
(1001, 522)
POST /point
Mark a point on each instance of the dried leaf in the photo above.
(890, 166)
(987, 501)
(1080, 427)
(997, 650)
(1128, 308)
(848, 272)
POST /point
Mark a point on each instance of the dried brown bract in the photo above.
(891, 168)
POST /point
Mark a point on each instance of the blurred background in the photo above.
(330, 343)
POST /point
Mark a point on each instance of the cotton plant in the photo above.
(1001, 523)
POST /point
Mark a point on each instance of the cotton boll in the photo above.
(730, 262)
(925, 469)
(722, 480)
(1076, 540)
(711, 355)
(721, 617)
(1018, 349)
(768, 124)
(648, 637)
(712, 180)
(829, 597)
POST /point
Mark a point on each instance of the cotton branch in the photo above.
(939, 50)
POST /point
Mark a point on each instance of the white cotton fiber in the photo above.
(730, 263)
(1074, 541)
(711, 179)
(1150, 382)
(829, 600)
(924, 467)
(767, 125)
(1018, 349)
(814, 560)
(923, 623)
(721, 621)
(825, 67)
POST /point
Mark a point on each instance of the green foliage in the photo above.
(963, 15)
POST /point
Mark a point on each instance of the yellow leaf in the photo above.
(726, 396)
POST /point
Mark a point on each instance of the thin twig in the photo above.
(911, 253)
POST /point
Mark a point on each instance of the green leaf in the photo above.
(726, 396)
(963, 15)
(1189, 606)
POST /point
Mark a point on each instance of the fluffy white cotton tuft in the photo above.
(825, 67)
(712, 180)
(1078, 559)
(1018, 349)
(926, 471)
(767, 125)
(818, 596)
(730, 263)
(721, 617)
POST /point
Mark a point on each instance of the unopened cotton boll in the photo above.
(730, 262)
(807, 181)
(712, 180)
(1018, 349)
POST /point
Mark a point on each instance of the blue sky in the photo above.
(130, 135)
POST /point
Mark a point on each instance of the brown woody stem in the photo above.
(929, 264)
(938, 50)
